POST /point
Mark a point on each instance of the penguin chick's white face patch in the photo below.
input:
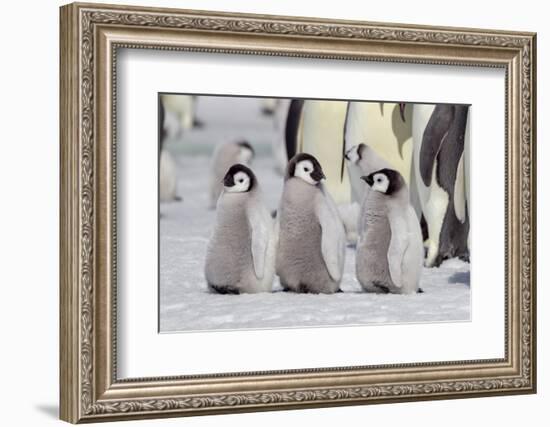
(245, 156)
(304, 169)
(242, 182)
(380, 182)
(353, 154)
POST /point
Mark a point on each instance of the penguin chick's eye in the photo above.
(378, 179)
(241, 181)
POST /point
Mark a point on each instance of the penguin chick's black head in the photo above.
(306, 167)
(386, 181)
(239, 179)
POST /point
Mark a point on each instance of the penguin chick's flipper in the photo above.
(333, 240)
(260, 237)
(224, 290)
(397, 248)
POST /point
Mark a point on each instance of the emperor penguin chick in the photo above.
(390, 250)
(311, 248)
(224, 156)
(241, 252)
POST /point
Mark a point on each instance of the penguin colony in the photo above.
(392, 198)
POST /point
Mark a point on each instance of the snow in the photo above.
(185, 226)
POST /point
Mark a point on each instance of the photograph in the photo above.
(267, 212)
(293, 213)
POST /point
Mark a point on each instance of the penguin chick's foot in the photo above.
(383, 289)
(224, 290)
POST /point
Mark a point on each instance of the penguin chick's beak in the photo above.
(228, 180)
(318, 175)
(368, 179)
(346, 155)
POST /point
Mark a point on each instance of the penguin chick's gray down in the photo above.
(390, 250)
(311, 249)
(241, 252)
(224, 156)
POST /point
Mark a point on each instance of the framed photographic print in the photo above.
(266, 212)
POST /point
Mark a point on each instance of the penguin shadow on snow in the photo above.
(460, 277)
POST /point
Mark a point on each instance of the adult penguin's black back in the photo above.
(443, 142)
(292, 126)
(454, 237)
(161, 130)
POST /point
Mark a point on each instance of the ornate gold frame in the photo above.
(90, 36)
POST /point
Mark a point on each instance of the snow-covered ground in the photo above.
(187, 305)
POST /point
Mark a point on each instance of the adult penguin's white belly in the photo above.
(167, 177)
(420, 118)
(184, 108)
(323, 137)
(381, 127)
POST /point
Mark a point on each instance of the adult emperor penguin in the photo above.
(439, 164)
(390, 251)
(387, 128)
(224, 156)
(241, 252)
(167, 165)
(323, 137)
(181, 109)
(311, 248)
(278, 142)
(466, 161)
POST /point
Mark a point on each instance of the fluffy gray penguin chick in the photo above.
(390, 250)
(311, 248)
(241, 252)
